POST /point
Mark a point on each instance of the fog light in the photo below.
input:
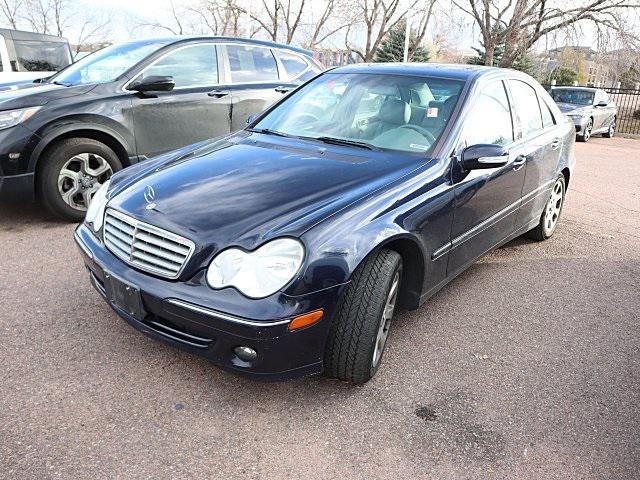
(247, 354)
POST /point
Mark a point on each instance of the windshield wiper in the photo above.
(268, 131)
(344, 141)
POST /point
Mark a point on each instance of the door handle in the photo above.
(218, 93)
(283, 89)
(519, 162)
(555, 144)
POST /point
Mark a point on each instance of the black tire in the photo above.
(353, 333)
(52, 162)
(540, 233)
(612, 129)
(587, 132)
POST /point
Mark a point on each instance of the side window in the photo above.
(489, 120)
(293, 64)
(41, 56)
(191, 67)
(251, 64)
(547, 116)
(526, 107)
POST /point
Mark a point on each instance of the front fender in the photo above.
(78, 124)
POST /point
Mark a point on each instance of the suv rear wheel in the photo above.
(72, 172)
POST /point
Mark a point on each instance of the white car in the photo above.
(27, 56)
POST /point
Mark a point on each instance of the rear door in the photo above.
(195, 110)
(541, 145)
(486, 200)
(255, 79)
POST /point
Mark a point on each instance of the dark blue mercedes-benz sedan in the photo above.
(284, 249)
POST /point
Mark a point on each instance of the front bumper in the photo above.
(580, 124)
(187, 315)
(16, 182)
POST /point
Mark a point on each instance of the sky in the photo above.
(126, 16)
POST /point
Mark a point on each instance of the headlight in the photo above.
(260, 273)
(95, 212)
(9, 118)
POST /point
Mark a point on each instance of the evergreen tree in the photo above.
(564, 75)
(392, 47)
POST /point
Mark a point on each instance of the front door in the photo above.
(195, 110)
(486, 201)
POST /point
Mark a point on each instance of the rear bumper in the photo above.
(184, 315)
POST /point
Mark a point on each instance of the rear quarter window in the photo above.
(251, 64)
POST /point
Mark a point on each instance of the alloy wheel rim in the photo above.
(80, 178)
(385, 321)
(553, 208)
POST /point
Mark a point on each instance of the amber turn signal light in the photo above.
(302, 321)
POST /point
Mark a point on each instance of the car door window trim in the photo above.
(125, 87)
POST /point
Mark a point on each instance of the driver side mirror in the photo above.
(601, 103)
(482, 156)
(153, 83)
(251, 118)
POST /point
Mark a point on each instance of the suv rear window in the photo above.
(39, 56)
(251, 64)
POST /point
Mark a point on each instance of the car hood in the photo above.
(248, 188)
(33, 95)
(570, 108)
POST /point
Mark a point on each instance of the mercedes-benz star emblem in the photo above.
(149, 196)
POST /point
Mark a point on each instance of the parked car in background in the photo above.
(282, 250)
(27, 56)
(591, 110)
(61, 140)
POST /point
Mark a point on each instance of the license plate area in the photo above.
(124, 296)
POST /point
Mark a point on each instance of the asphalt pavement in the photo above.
(526, 366)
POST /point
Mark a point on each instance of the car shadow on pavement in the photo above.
(13, 215)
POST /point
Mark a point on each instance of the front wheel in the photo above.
(72, 172)
(361, 323)
(586, 135)
(612, 129)
(551, 214)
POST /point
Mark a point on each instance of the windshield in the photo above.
(379, 111)
(107, 64)
(573, 96)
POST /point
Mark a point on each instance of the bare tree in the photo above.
(275, 15)
(378, 17)
(222, 17)
(519, 24)
(176, 28)
(333, 18)
(9, 10)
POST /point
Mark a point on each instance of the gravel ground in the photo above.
(526, 366)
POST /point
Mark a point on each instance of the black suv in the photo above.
(61, 139)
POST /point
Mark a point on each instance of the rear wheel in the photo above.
(361, 324)
(586, 135)
(72, 172)
(612, 129)
(551, 214)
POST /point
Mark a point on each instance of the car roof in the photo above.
(571, 87)
(33, 36)
(452, 71)
(176, 39)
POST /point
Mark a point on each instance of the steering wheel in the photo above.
(304, 118)
(421, 130)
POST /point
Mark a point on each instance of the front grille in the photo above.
(144, 246)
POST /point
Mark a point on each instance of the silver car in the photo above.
(591, 110)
